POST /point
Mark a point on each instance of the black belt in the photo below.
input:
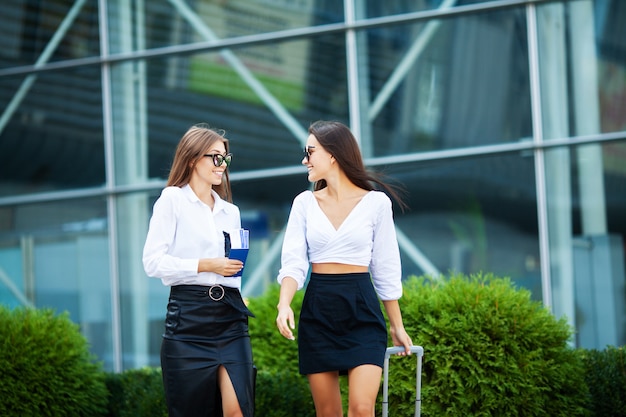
(216, 292)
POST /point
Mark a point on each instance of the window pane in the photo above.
(53, 139)
(55, 255)
(165, 23)
(450, 83)
(376, 8)
(582, 51)
(47, 31)
(586, 209)
(472, 215)
(143, 300)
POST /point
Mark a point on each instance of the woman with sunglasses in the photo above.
(344, 232)
(206, 355)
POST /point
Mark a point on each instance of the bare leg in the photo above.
(326, 394)
(230, 404)
(363, 385)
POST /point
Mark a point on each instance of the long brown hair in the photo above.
(337, 139)
(197, 141)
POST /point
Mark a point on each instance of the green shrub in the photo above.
(283, 393)
(46, 367)
(280, 389)
(489, 351)
(270, 349)
(136, 393)
(605, 373)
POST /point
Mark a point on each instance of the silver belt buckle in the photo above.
(216, 292)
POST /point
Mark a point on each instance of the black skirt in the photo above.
(204, 330)
(341, 324)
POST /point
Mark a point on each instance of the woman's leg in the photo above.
(230, 403)
(326, 394)
(363, 385)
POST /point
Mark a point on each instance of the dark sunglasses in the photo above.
(307, 153)
(218, 159)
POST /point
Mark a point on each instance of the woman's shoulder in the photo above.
(378, 197)
(171, 191)
(304, 196)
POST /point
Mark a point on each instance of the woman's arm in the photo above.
(399, 336)
(223, 266)
(285, 320)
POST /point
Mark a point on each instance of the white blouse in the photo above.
(182, 231)
(367, 237)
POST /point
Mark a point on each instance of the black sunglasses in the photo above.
(218, 159)
(307, 153)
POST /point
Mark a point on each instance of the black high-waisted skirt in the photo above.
(341, 324)
(203, 331)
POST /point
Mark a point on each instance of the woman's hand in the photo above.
(223, 266)
(400, 337)
(286, 322)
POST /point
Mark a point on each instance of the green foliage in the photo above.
(270, 349)
(47, 369)
(136, 392)
(283, 393)
(280, 389)
(489, 351)
(606, 377)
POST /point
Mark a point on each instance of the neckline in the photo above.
(336, 229)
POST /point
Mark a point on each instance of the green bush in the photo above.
(283, 393)
(489, 351)
(270, 349)
(136, 393)
(605, 373)
(280, 389)
(46, 367)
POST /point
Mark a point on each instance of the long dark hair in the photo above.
(197, 141)
(339, 141)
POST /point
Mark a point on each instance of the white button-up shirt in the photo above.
(367, 237)
(184, 230)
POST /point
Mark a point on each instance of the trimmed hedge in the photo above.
(606, 377)
(136, 393)
(283, 393)
(46, 367)
(489, 351)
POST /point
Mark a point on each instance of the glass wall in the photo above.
(505, 121)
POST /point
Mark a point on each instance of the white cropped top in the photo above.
(367, 237)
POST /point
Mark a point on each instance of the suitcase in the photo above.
(418, 351)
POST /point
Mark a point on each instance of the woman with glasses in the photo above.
(344, 232)
(206, 355)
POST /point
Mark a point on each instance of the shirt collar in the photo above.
(219, 203)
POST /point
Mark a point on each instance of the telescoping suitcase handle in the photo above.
(417, 351)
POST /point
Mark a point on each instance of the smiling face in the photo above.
(317, 159)
(205, 169)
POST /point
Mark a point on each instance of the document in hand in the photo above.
(239, 246)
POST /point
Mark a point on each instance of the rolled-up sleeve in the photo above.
(294, 257)
(385, 266)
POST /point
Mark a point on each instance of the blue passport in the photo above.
(240, 254)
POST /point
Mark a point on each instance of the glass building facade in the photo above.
(504, 120)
